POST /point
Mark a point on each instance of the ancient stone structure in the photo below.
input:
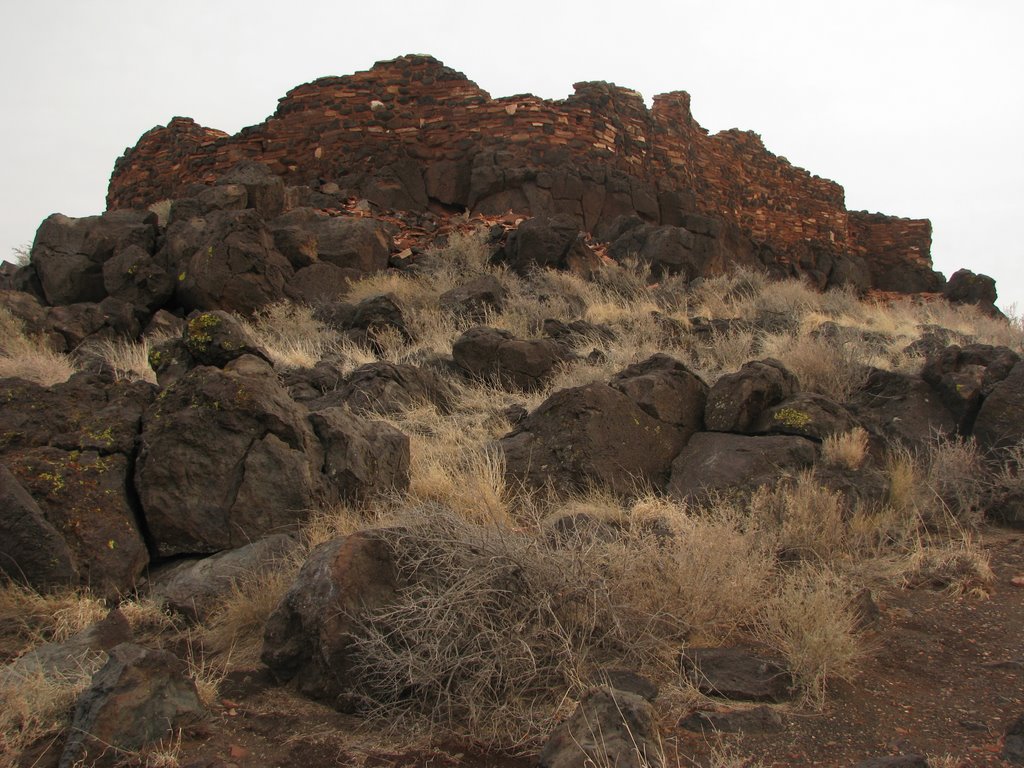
(413, 134)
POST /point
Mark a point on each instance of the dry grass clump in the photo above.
(36, 705)
(29, 357)
(499, 624)
(28, 618)
(960, 567)
(128, 360)
(235, 627)
(291, 336)
(807, 520)
(846, 449)
(810, 621)
(826, 367)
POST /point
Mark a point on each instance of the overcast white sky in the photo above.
(914, 106)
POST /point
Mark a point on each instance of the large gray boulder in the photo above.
(1000, 421)
(226, 261)
(227, 457)
(609, 727)
(68, 254)
(588, 435)
(719, 462)
(70, 447)
(308, 639)
(32, 551)
(737, 400)
(496, 355)
(138, 698)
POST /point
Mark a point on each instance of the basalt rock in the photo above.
(591, 434)
(492, 354)
(1000, 421)
(308, 638)
(737, 400)
(714, 462)
(70, 447)
(139, 697)
(964, 376)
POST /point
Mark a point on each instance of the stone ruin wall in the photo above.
(415, 109)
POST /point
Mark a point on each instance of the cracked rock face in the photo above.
(226, 457)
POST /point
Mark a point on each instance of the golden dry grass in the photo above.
(27, 357)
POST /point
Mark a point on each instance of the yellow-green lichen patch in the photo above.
(792, 418)
(200, 332)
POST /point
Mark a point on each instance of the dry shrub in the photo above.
(694, 574)
(36, 705)
(957, 566)
(28, 618)
(29, 357)
(808, 520)
(829, 369)
(291, 336)
(235, 626)
(809, 620)
(847, 449)
(208, 674)
(955, 477)
(498, 625)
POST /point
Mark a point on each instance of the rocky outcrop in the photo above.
(71, 448)
(226, 457)
(139, 697)
(411, 133)
(308, 639)
(497, 356)
(623, 434)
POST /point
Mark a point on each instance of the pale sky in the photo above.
(915, 107)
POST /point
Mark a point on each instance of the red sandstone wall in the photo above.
(416, 108)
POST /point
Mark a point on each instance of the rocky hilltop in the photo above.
(415, 135)
(415, 427)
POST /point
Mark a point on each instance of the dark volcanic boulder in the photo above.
(496, 355)
(68, 254)
(70, 448)
(217, 338)
(737, 400)
(587, 435)
(134, 276)
(31, 549)
(308, 638)
(361, 457)
(110, 319)
(667, 390)
(229, 263)
(805, 414)
(366, 321)
(474, 298)
(738, 674)
(194, 587)
(609, 727)
(902, 407)
(389, 388)
(264, 189)
(964, 376)
(320, 282)
(226, 457)
(966, 287)
(139, 697)
(715, 462)
(348, 242)
(1000, 421)
(554, 241)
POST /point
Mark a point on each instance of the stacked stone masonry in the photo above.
(596, 154)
